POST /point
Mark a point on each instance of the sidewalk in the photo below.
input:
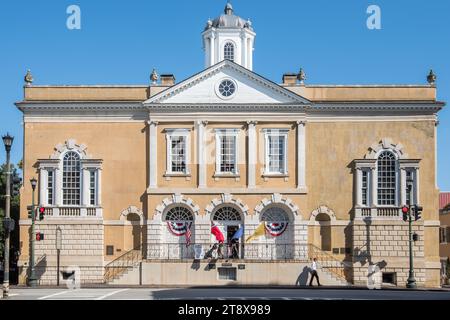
(350, 287)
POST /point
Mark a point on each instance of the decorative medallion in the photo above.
(226, 89)
(276, 229)
(178, 228)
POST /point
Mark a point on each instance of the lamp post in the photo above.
(411, 282)
(7, 141)
(32, 280)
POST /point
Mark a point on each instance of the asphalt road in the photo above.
(223, 294)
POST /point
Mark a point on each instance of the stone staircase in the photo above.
(120, 267)
(131, 269)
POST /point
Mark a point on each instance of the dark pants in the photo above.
(314, 275)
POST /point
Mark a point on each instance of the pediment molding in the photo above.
(212, 71)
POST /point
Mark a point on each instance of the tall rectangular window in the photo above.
(410, 193)
(177, 151)
(276, 153)
(178, 154)
(226, 151)
(71, 179)
(227, 155)
(387, 179)
(92, 188)
(442, 235)
(365, 188)
(50, 184)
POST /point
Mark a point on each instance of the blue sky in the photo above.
(121, 41)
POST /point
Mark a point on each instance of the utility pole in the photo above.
(32, 280)
(411, 284)
(7, 140)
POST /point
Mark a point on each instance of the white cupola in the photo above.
(229, 37)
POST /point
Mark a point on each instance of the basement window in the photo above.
(390, 278)
(227, 274)
(109, 250)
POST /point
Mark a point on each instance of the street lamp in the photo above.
(7, 141)
(411, 282)
(32, 280)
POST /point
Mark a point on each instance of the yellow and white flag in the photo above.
(260, 231)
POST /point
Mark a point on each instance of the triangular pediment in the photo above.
(204, 88)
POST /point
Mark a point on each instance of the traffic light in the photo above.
(8, 224)
(417, 212)
(405, 211)
(41, 213)
(30, 212)
(39, 236)
(15, 186)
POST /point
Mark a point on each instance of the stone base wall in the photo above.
(48, 275)
(82, 248)
(385, 244)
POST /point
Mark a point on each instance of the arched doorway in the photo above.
(136, 231)
(179, 233)
(229, 220)
(279, 242)
(324, 229)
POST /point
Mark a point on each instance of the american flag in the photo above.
(188, 234)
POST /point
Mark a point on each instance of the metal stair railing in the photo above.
(120, 265)
(336, 267)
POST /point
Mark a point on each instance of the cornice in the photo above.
(79, 106)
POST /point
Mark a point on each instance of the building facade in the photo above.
(444, 234)
(127, 173)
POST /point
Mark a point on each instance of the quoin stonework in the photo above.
(125, 171)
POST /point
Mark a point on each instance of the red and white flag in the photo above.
(188, 234)
(217, 233)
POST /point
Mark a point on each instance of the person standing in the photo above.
(314, 273)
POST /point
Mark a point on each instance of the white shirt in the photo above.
(314, 266)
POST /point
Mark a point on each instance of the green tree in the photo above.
(15, 205)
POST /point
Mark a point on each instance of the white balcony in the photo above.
(73, 212)
(378, 213)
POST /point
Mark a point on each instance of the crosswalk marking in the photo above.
(110, 294)
(52, 295)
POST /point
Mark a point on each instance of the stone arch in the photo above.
(386, 144)
(176, 199)
(227, 199)
(70, 145)
(132, 210)
(322, 210)
(277, 200)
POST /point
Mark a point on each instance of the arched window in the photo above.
(179, 214)
(228, 51)
(226, 214)
(71, 179)
(274, 214)
(387, 178)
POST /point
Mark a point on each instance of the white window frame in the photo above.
(397, 180)
(95, 172)
(368, 171)
(275, 132)
(47, 191)
(170, 134)
(234, 50)
(81, 181)
(443, 235)
(231, 133)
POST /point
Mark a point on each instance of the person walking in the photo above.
(314, 273)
